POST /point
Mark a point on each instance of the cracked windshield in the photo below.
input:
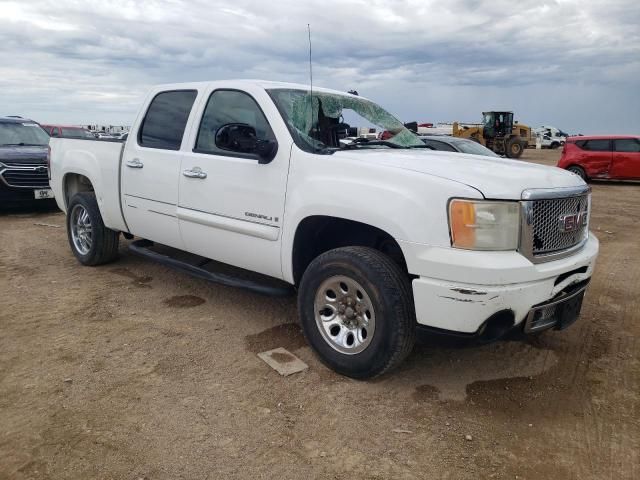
(340, 122)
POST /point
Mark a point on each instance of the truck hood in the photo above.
(494, 177)
(26, 154)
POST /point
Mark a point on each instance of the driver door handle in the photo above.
(135, 163)
(195, 172)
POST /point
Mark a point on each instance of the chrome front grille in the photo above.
(548, 236)
(25, 176)
(554, 227)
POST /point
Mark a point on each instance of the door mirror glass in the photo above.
(241, 138)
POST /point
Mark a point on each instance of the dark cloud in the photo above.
(565, 62)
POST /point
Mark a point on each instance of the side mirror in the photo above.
(241, 138)
(413, 126)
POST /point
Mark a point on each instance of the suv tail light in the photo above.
(49, 161)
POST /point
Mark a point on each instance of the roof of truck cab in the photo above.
(239, 83)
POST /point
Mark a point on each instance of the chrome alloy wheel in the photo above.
(81, 229)
(344, 315)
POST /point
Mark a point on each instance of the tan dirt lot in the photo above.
(132, 370)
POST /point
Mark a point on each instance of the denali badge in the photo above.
(261, 217)
(572, 222)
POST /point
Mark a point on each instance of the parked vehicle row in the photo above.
(81, 132)
(380, 238)
(67, 132)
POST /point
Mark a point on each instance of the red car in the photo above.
(68, 132)
(602, 156)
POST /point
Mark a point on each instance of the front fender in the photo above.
(409, 206)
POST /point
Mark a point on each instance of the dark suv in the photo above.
(24, 174)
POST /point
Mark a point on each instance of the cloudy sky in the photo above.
(574, 64)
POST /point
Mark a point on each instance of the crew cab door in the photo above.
(231, 206)
(595, 157)
(151, 167)
(626, 158)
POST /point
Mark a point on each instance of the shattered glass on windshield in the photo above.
(325, 129)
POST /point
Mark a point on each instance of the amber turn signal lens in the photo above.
(462, 215)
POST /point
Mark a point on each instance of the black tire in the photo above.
(555, 145)
(514, 148)
(390, 293)
(578, 171)
(104, 241)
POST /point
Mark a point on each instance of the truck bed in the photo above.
(98, 160)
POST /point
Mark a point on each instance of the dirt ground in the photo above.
(134, 371)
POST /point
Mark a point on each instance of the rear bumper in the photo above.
(490, 285)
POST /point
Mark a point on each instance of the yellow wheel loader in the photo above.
(497, 132)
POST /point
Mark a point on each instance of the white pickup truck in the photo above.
(380, 238)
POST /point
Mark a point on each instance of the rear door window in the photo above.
(595, 145)
(166, 119)
(626, 145)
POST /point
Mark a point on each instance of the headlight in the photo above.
(484, 225)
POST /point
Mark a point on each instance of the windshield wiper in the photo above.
(365, 142)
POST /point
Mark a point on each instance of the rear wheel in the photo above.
(91, 242)
(555, 145)
(514, 148)
(578, 171)
(356, 310)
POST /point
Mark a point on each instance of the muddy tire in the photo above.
(514, 148)
(578, 171)
(357, 313)
(91, 242)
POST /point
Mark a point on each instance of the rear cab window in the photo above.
(166, 119)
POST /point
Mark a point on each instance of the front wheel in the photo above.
(357, 312)
(514, 148)
(91, 242)
(578, 171)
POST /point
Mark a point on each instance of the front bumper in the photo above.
(10, 196)
(459, 290)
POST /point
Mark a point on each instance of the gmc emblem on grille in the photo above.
(572, 222)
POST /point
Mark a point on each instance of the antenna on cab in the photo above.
(310, 78)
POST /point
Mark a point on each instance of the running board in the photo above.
(259, 284)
